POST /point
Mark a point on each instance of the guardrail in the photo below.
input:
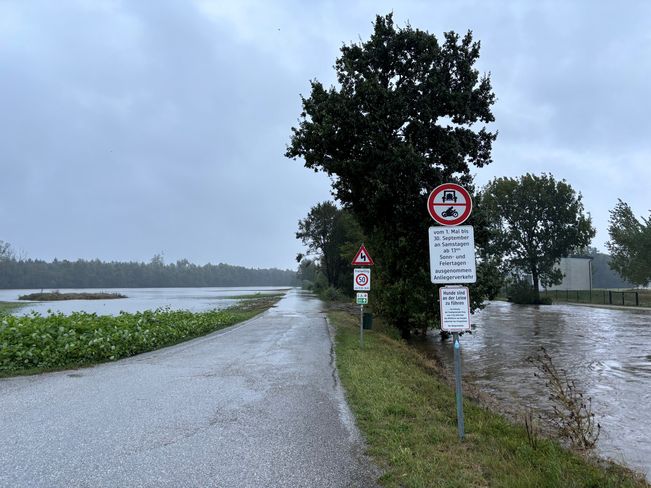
(629, 298)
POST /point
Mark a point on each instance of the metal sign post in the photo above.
(455, 318)
(457, 383)
(362, 299)
(361, 326)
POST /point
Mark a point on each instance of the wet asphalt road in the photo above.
(256, 405)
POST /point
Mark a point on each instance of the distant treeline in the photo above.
(38, 274)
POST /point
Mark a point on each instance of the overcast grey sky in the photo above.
(134, 127)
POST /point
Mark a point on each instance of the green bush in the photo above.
(36, 342)
(320, 283)
(523, 293)
(332, 294)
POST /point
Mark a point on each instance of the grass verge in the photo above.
(35, 343)
(406, 412)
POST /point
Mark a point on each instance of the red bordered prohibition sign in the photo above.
(449, 204)
(361, 279)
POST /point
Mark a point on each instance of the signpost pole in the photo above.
(457, 380)
(361, 326)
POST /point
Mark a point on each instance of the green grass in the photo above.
(406, 412)
(35, 343)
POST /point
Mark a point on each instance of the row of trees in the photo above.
(630, 244)
(409, 113)
(331, 234)
(98, 274)
(603, 276)
(525, 226)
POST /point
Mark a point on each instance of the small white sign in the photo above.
(452, 254)
(455, 308)
(362, 279)
(362, 298)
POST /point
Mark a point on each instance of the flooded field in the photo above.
(139, 299)
(607, 351)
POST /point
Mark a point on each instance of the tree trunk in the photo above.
(536, 284)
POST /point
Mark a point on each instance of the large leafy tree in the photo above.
(329, 232)
(534, 221)
(403, 119)
(630, 244)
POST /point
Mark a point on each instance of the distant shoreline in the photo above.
(56, 296)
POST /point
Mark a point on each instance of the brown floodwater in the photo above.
(607, 351)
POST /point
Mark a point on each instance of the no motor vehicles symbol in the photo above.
(449, 204)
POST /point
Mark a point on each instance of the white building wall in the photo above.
(577, 274)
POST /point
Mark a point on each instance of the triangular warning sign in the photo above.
(362, 258)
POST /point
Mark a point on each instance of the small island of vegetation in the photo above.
(58, 296)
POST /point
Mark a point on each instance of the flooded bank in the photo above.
(607, 351)
(140, 299)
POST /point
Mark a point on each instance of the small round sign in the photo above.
(449, 204)
(361, 279)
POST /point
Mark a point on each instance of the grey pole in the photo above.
(457, 380)
(361, 326)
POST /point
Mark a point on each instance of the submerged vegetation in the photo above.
(571, 416)
(253, 296)
(36, 343)
(7, 307)
(55, 296)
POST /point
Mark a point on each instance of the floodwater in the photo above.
(607, 351)
(139, 299)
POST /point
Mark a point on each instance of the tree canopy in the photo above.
(533, 222)
(402, 120)
(603, 276)
(330, 232)
(6, 253)
(630, 244)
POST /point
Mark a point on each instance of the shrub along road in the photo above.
(258, 404)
